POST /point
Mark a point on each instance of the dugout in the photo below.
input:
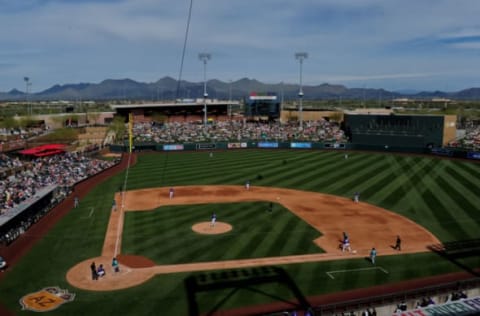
(408, 131)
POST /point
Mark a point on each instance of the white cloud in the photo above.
(461, 33)
(467, 45)
(89, 40)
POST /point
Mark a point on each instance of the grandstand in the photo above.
(187, 111)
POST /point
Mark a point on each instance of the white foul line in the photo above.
(330, 273)
(92, 209)
(120, 217)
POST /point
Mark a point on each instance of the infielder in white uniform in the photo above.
(213, 220)
(346, 245)
(171, 192)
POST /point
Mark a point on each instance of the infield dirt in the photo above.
(367, 225)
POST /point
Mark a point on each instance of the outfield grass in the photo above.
(439, 194)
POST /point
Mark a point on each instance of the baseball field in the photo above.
(293, 217)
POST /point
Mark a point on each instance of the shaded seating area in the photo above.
(44, 150)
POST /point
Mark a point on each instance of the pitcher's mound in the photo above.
(206, 228)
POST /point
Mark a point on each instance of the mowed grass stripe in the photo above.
(273, 243)
(456, 187)
(469, 183)
(322, 176)
(337, 174)
(311, 173)
(300, 172)
(464, 214)
(472, 169)
(388, 180)
(303, 170)
(417, 178)
(260, 230)
(360, 179)
(277, 165)
(167, 228)
(229, 172)
(409, 200)
(451, 229)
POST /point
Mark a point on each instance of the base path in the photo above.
(367, 226)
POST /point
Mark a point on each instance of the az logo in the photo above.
(46, 299)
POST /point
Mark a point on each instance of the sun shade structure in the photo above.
(44, 150)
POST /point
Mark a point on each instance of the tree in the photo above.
(118, 126)
(9, 122)
(25, 122)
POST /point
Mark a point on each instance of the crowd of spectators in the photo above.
(7, 163)
(456, 296)
(25, 222)
(471, 140)
(29, 176)
(21, 179)
(21, 133)
(224, 131)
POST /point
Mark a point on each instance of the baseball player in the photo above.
(373, 254)
(247, 185)
(356, 197)
(346, 244)
(171, 192)
(398, 244)
(213, 220)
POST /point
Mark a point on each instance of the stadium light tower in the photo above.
(300, 57)
(27, 85)
(205, 57)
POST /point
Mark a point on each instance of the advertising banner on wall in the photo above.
(173, 147)
(334, 146)
(236, 145)
(206, 146)
(442, 151)
(300, 145)
(267, 145)
(473, 155)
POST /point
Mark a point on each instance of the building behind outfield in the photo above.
(407, 131)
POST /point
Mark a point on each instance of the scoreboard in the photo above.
(262, 104)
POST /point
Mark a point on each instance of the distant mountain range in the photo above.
(166, 89)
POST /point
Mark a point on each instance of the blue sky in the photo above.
(408, 44)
